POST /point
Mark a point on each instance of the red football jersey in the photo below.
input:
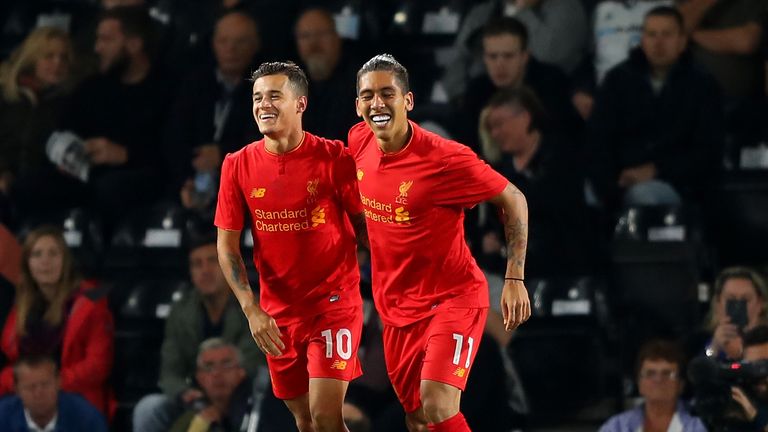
(304, 245)
(414, 201)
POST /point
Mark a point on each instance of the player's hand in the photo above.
(207, 158)
(515, 304)
(738, 395)
(102, 151)
(264, 331)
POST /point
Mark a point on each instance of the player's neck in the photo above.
(284, 143)
(399, 140)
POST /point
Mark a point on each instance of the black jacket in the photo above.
(680, 129)
(549, 83)
(191, 121)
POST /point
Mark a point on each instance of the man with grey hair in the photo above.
(207, 311)
(226, 390)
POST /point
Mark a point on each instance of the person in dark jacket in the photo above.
(548, 171)
(39, 404)
(657, 126)
(509, 64)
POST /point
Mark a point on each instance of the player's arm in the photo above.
(515, 304)
(361, 231)
(263, 327)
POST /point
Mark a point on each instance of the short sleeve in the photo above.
(345, 180)
(230, 206)
(466, 180)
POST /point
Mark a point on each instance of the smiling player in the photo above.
(300, 192)
(428, 289)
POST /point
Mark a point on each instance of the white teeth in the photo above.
(267, 116)
(380, 119)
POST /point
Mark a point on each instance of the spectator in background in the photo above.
(120, 113)
(660, 381)
(225, 390)
(209, 311)
(617, 28)
(558, 35)
(754, 405)
(212, 114)
(735, 284)
(330, 67)
(657, 127)
(726, 40)
(545, 167)
(40, 405)
(35, 83)
(509, 64)
(56, 315)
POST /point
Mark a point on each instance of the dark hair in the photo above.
(199, 238)
(660, 349)
(507, 25)
(325, 13)
(296, 76)
(386, 63)
(525, 98)
(33, 361)
(669, 12)
(134, 22)
(237, 11)
(756, 336)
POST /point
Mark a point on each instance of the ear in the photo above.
(526, 56)
(357, 107)
(409, 101)
(301, 104)
(134, 45)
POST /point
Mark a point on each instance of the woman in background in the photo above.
(58, 316)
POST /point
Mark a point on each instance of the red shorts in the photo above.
(322, 346)
(439, 348)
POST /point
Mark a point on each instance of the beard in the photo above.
(319, 67)
(119, 65)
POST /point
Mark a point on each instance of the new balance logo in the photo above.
(339, 365)
(258, 192)
(460, 372)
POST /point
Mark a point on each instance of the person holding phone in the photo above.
(738, 305)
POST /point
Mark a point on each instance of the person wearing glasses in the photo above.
(222, 378)
(660, 381)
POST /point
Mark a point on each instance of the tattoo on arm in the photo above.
(361, 232)
(237, 272)
(516, 233)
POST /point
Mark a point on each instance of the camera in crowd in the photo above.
(712, 382)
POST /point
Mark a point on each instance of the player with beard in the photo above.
(300, 192)
(430, 293)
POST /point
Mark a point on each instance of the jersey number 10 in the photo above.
(343, 343)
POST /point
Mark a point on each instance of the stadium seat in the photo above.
(569, 315)
(741, 231)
